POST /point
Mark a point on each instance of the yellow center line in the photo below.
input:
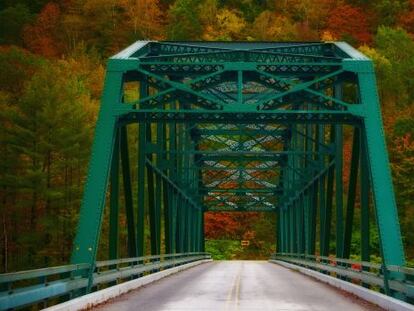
(235, 288)
(230, 294)
(237, 293)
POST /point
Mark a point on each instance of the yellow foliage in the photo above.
(328, 36)
(270, 26)
(208, 12)
(228, 25)
(145, 17)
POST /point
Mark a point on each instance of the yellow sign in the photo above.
(245, 243)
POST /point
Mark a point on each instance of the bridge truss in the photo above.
(238, 126)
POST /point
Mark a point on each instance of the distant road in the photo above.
(237, 286)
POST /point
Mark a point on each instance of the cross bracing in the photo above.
(242, 126)
(292, 129)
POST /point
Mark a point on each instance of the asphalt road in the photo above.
(237, 286)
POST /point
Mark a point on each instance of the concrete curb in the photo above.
(93, 299)
(381, 300)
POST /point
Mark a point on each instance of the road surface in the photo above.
(237, 286)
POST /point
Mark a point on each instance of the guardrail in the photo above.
(53, 285)
(391, 280)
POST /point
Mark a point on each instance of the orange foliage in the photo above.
(42, 36)
(219, 225)
(407, 19)
(236, 225)
(349, 23)
(144, 17)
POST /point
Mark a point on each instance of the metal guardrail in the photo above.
(392, 280)
(57, 284)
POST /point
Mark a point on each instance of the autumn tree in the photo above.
(401, 143)
(340, 26)
(310, 16)
(145, 18)
(100, 24)
(406, 18)
(270, 26)
(221, 24)
(42, 37)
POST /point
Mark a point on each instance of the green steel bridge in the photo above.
(233, 126)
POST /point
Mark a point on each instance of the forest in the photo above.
(52, 67)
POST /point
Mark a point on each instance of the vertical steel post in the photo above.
(151, 198)
(142, 134)
(141, 189)
(382, 187)
(350, 207)
(114, 202)
(91, 212)
(129, 205)
(158, 186)
(339, 179)
(365, 201)
(329, 201)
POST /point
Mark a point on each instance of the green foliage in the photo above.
(388, 10)
(231, 249)
(398, 48)
(17, 66)
(223, 249)
(49, 136)
(184, 21)
(34, 5)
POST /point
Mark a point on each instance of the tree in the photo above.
(401, 143)
(17, 67)
(34, 6)
(100, 24)
(42, 37)
(270, 26)
(340, 26)
(12, 20)
(388, 84)
(145, 18)
(228, 25)
(406, 19)
(397, 46)
(49, 135)
(388, 11)
(183, 21)
(249, 9)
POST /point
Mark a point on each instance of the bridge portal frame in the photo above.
(299, 87)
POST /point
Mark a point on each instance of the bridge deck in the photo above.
(237, 285)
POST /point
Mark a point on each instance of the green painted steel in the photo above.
(242, 126)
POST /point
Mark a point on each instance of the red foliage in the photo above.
(406, 20)
(42, 36)
(219, 225)
(228, 225)
(349, 23)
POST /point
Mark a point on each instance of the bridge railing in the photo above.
(52, 285)
(390, 280)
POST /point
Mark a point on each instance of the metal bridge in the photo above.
(233, 126)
